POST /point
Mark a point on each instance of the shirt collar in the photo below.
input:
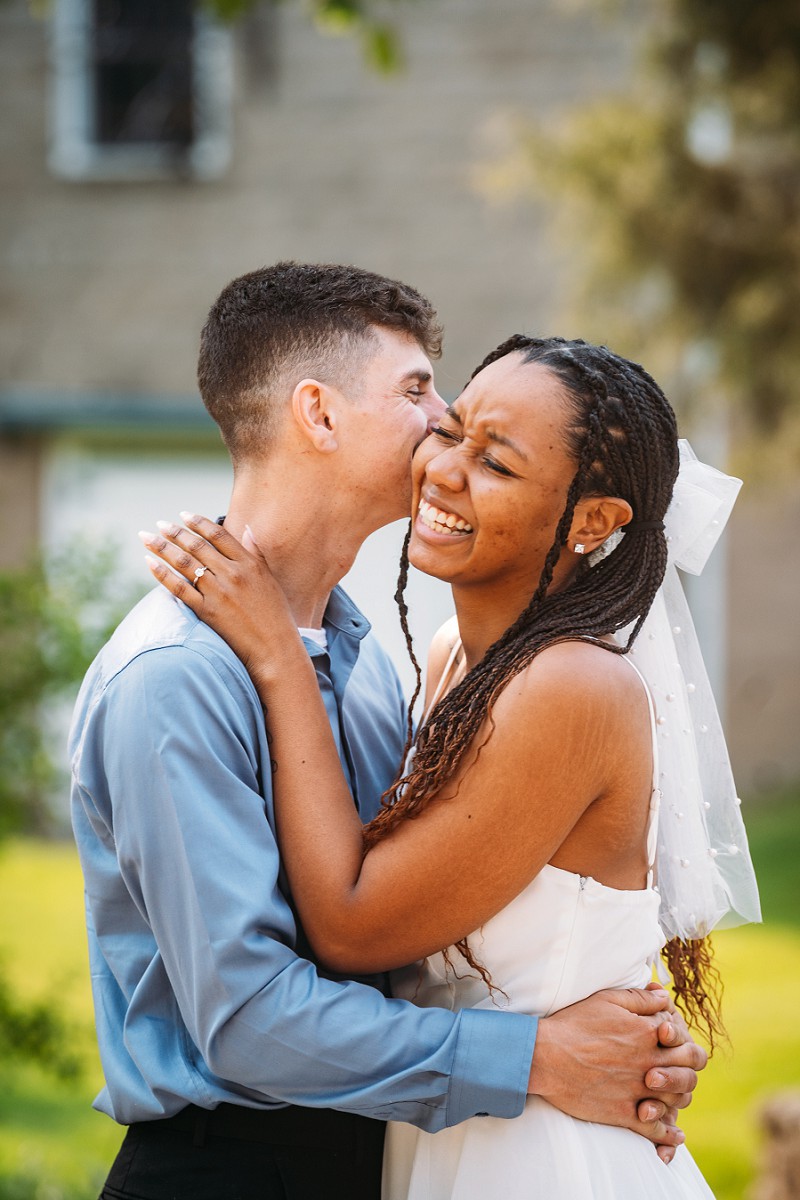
(343, 615)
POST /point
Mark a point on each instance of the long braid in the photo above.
(400, 601)
(623, 437)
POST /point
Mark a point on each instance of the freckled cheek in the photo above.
(521, 541)
(509, 540)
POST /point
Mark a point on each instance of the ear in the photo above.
(596, 518)
(314, 410)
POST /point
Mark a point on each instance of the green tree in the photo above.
(680, 201)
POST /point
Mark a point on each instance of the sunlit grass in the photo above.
(49, 1132)
(760, 966)
(50, 1135)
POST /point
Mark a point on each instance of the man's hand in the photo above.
(620, 1057)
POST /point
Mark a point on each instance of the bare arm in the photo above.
(409, 896)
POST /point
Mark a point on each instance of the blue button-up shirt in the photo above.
(199, 993)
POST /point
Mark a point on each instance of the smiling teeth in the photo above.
(442, 522)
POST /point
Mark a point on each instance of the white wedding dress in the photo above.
(563, 938)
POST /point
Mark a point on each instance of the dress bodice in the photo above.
(561, 939)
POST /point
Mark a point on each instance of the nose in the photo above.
(445, 469)
(434, 408)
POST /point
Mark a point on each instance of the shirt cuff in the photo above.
(491, 1066)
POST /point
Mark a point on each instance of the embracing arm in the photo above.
(410, 895)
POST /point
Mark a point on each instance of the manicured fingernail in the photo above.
(189, 518)
(657, 1079)
(151, 562)
(146, 537)
(248, 540)
(167, 527)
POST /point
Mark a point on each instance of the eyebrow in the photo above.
(500, 438)
(421, 375)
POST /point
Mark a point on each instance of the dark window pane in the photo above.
(143, 71)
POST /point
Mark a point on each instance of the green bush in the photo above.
(54, 616)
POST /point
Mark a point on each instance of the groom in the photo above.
(239, 1068)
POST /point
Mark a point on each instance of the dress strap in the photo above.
(444, 678)
(655, 792)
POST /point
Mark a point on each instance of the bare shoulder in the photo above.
(441, 646)
(589, 664)
(579, 679)
(440, 650)
(444, 639)
(576, 721)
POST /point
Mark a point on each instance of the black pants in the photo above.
(234, 1153)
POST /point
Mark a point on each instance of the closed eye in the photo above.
(446, 434)
(498, 468)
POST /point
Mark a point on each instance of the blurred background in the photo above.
(623, 170)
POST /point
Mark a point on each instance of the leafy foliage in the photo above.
(363, 19)
(52, 621)
(36, 1033)
(682, 199)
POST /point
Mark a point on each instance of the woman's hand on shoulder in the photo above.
(228, 585)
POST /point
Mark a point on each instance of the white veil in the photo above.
(703, 868)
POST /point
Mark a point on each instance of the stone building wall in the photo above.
(105, 285)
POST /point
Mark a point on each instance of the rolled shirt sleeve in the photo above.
(199, 994)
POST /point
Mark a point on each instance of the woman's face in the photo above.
(491, 481)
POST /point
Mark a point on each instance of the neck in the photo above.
(486, 611)
(483, 619)
(306, 539)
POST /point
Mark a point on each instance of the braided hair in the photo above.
(622, 435)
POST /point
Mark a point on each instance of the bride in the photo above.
(514, 861)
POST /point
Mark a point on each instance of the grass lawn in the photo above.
(58, 1148)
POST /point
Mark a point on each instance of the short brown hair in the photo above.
(272, 327)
